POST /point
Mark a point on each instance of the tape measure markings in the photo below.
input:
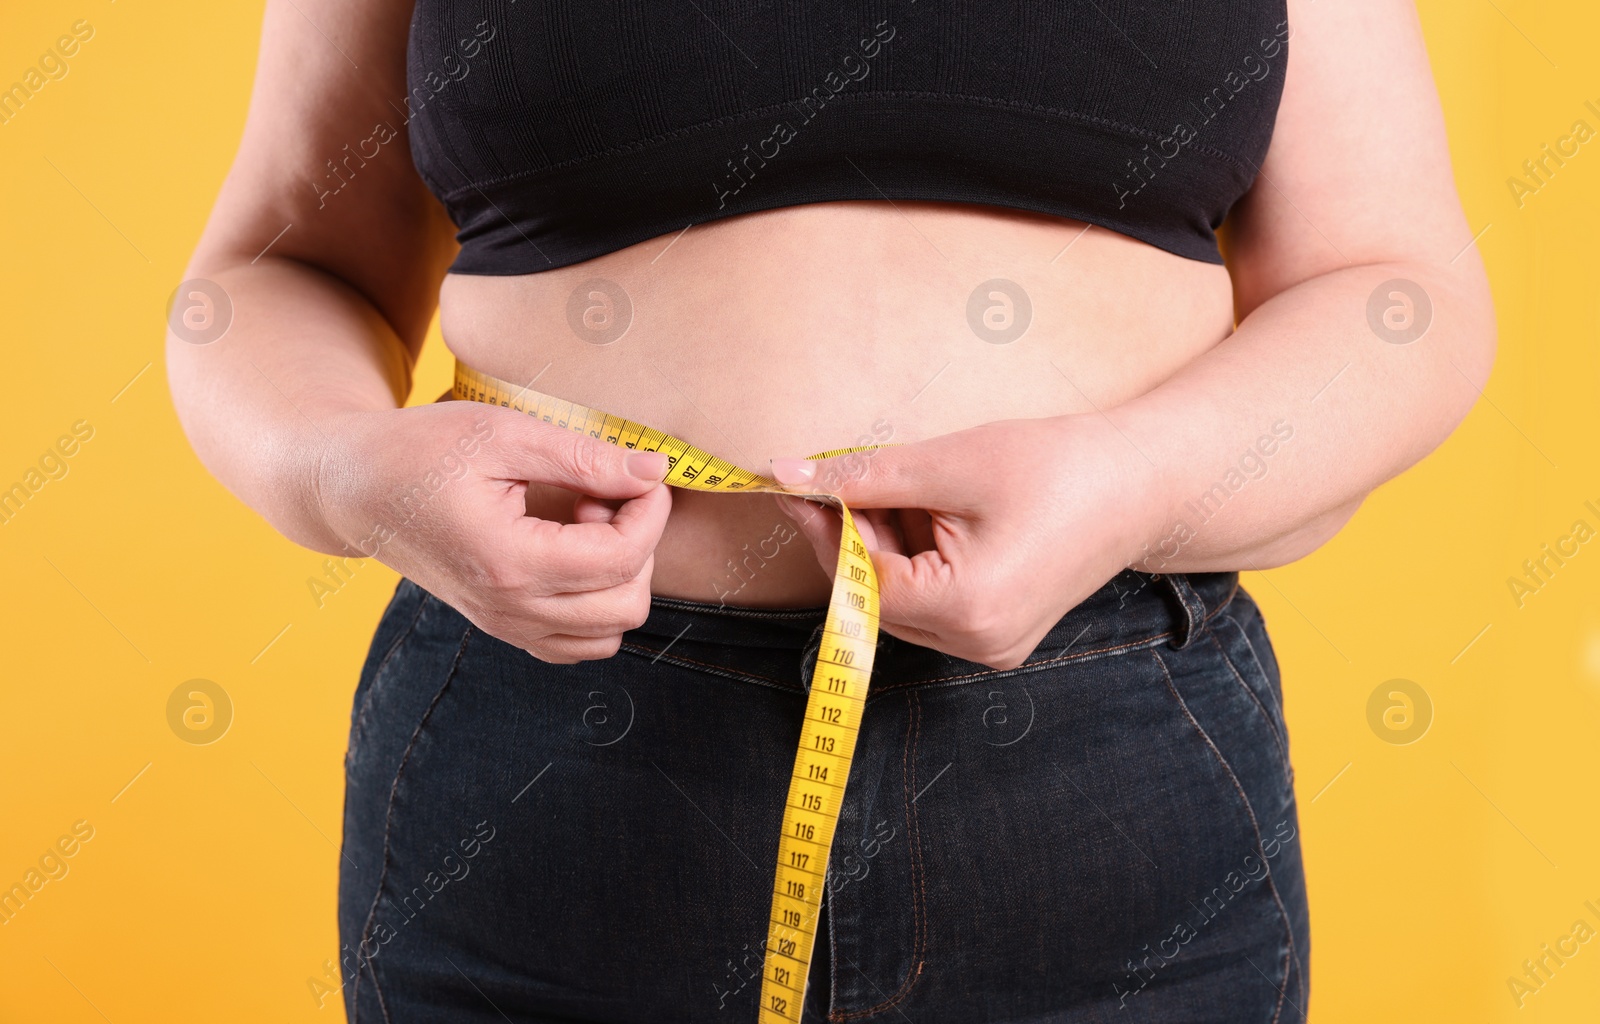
(839, 681)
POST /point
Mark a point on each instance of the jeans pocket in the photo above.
(1240, 636)
(1243, 741)
(1235, 707)
(414, 654)
(398, 622)
(1138, 817)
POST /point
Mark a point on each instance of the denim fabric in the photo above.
(1106, 833)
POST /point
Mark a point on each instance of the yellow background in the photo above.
(207, 890)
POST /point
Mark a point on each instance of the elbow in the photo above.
(1480, 334)
(184, 387)
(1478, 365)
(1469, 337)
(1306, 538)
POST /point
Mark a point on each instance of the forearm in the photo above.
(1267, 444)
(303, 348)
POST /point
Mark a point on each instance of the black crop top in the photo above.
(555, 131)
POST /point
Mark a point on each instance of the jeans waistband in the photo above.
(777, 646)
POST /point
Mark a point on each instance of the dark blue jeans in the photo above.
(1106, 833)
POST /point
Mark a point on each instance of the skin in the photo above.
(1013, 479)
(957, 568)
(811, 327)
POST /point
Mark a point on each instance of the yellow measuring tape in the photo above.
(838, 682)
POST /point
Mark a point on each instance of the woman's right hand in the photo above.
(438, 492)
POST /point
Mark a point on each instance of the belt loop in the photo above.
(809, 656)
(1193, 609)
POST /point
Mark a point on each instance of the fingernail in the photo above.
(646, 465)
(794, 472)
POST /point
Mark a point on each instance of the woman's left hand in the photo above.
(983, 539)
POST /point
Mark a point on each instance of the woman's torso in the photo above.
(811, 304)
(811, 327)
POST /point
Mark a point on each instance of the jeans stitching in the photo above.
(713, 669)
(1065, 659)
(750, 677)
(1192, 623)
(1255, 826)
(388, 829)
(1260, 665)
(1033, 666)
(366, 700)
(739, 611)
(833, 954)
(908, 772)
(1024, 669)
(1281, 742)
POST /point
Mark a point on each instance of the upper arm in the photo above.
(323, 173)
(1358, 171)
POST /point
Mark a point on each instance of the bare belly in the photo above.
(813, 327)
